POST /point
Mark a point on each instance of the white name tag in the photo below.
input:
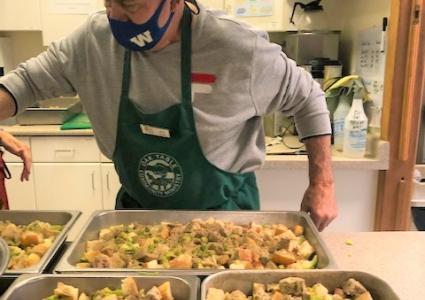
(156, 131)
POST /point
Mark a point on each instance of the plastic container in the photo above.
(355, 128)
(374, 132)
(339, 116)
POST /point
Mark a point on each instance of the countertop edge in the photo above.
(381, 162)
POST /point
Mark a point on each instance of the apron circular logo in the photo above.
(160, 174)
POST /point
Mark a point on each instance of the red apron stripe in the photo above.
(203, 78)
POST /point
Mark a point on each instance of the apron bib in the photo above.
(160, 161)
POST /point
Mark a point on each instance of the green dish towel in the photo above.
(80, 121)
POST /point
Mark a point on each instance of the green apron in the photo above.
(159, 159)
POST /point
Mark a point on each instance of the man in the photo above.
(175, 97)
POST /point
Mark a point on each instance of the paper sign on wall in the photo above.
(253, 8)
(71, 7)
(371, 62)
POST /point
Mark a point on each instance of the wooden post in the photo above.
(404, 88)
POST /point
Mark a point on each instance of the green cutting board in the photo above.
(80, 121)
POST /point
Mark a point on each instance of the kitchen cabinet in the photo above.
(21, 195)
(110, 185)
(64, 149)
(355, 191)
(20, 15)
(69, 186)
(56, 24)
(67, 173)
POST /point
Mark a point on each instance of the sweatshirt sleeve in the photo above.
(277, 84)
(47, 75)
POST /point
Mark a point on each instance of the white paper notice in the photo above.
(72, 7)
(253, 8)
(371, 62)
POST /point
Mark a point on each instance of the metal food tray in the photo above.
(41, 286)
(4, 256)
(23, 217)
(243, 280)
(51, 112)
(103, 219)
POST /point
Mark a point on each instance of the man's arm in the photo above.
(7, 105)
(10, 143)
(279, 85)
(319, 198)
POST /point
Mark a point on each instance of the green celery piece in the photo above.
(52, 297)
(310, 264)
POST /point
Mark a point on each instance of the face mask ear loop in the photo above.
(195, 3)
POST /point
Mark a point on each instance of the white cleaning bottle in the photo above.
(339, 118)
(355, 128)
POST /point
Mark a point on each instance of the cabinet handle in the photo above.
(67, 152)
(107, 182)
(92, 181)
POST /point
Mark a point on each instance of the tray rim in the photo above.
(64, 267)
(4, 260)
(292, 273)
(192, 281)
(57, 243)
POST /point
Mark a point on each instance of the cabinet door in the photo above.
(20, 194)
(19, 15)
(110, 185)
(69, 186)
(58, 18)
(217, 4)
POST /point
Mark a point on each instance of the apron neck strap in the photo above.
(186, 53)
(126, 74)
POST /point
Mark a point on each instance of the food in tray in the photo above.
(200, 244)
(28, 243)
(128, 291)
(294, 288)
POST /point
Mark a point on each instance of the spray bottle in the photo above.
(344, 104)
(355, 127)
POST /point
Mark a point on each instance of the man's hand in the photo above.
(11, 144)
(319, 201)
(319, 198)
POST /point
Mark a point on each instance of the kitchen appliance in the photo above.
(305, 46)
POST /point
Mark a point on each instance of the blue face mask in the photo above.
(140, 37)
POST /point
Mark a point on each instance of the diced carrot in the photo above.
(245, 254)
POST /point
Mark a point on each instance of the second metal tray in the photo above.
(23, 217)
(4, 256)
(103, 219)
(41, 286)
(243, 280)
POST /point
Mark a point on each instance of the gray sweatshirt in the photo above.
(247, 77)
